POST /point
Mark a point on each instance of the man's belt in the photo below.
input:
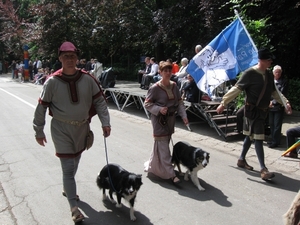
(263, 109)
(72, 122)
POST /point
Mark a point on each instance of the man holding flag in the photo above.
(258, 84)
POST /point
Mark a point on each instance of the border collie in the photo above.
(121, 182)
(194, 159)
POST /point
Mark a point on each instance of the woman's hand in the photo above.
(185, 121)
(163, 110)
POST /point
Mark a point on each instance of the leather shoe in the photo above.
(292, 155)
(243, 164)
(266, 175)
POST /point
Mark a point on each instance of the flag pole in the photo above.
(238, 16)
(297, 144)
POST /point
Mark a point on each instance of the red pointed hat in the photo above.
(67, 47)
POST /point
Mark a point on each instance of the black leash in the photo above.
(163, 121)
(109, 176)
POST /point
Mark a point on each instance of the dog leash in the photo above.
(109, 176)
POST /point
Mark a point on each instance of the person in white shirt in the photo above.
(37, 65)
(97, 70)
(180, 76)
(147, 78)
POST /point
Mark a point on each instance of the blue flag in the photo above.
(228, 54)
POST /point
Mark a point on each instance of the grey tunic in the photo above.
(69, 99)
(159, 96)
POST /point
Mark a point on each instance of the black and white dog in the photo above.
(121, 182)
(194, 159)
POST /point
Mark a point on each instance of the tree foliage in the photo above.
(117, 31)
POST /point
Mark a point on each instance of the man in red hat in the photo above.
(258, 84)
(70, 94)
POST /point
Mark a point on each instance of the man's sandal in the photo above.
(64, 194)
(77, 216)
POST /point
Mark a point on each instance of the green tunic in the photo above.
(252, 82)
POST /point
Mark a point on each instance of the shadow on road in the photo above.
(279, 181)
(113, 215)
(189, 190)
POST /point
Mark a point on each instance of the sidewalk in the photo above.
(272, 156)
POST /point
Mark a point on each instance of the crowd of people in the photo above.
(151, 74)
(38, 69)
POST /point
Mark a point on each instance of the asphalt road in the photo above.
(31, 184)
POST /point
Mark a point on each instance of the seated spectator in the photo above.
(97, 69)
(191, 92)
(181, 74)
(175, 69)
(88, 65)
(92, 65)
(292, 135)
(147, 78)
(146, 70)
(198, 48)
(157, 77)
(41, 76)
